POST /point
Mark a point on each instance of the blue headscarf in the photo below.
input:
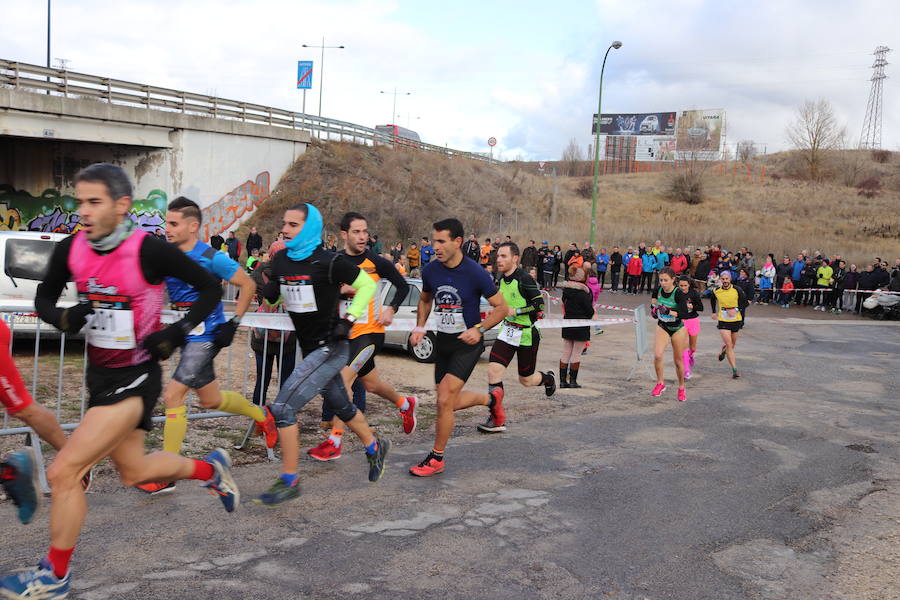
(309, 238)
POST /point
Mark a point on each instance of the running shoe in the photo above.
(550, 385)
(658, 389)
(687, 374)
(39, 582)
(735, 375)
(222, 483)
(278, 494)
(490, 427)
(19, 479)
(376, 461)
(409, 415)
(267, 428)
(723, 353)
(498, 414)
(155, 489)
(682, 395)
(325, 451)
(428, 467)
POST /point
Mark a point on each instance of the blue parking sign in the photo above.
(304, 74)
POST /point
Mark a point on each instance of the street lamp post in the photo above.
(594, 190)
(321, 68)
(394, 112)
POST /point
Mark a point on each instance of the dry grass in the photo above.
(402, 192)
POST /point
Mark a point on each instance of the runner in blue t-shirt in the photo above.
(195, 369)
(456, 284)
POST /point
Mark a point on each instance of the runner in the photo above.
(195, 370)
(691, 320)
(518, 335)
(668, 305)
(17, 472)
(456, 284)
(367, 335)
(118, 271)
(309, 278)
(731, 302)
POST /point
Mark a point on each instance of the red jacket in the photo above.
(679, 264)
(635, 266)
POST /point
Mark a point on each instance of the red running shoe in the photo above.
(325, 451)
(409, 415)
(428, 467)
(156, 488)
(658, 389)
(682, 395)
(498, 415)
(267, 428)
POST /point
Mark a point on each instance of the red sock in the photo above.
(202, 471)
(59, 560)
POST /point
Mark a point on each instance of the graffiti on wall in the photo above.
(53, 212)
(225, 212)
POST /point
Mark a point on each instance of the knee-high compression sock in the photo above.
(59, 560)
(234, 403)
(492, 397)
(175, 429)
(203, 471)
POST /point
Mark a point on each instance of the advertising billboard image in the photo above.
(661, 123)
(700, 131)
(655, 148)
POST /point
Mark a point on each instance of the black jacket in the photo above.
(615, 262)
(529, 257)
(702, 271)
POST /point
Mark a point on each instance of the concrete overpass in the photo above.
(171, 143)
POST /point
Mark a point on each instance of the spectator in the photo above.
(766, 279)
(400, 265)
(745, 283)
(867, 282)
(558, 261)
(576, 261)
(234, 246)
(701, 272)
(425, 252)
(602, 265)
(786, 290)
(835, 303)
(529, 256)
(851, 282)
(376, 245)
(548, 267)
(471, 248)
(396, 252)
(485, 257)
(573, 248)
(253, 260)
(254, 241)
(679, 262)
(797, 275)
(412, 259)
(218, 243)
(808, 281)
(615, 269)
(715, 254)
(635, 271)
(626, 276)
(544, 254)
(330, 243)
(588, 254)
(648, 268)
(823, 281)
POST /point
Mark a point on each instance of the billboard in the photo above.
(620, 148)
(655, 148)
(661, 123)
(700, 131)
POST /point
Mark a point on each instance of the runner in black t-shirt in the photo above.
(309, 279)
(456, 284)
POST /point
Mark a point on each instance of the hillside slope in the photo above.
(402, 192)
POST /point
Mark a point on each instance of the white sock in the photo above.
(336, 440)
(405, 405)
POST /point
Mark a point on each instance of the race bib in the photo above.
(666, 318)
(450, 319)
(345, 308)
(728, 314)
(182, 308)
(510, 334)
(299, 298)
(112, 324)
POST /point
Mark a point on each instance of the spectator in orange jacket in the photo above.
(576, 260)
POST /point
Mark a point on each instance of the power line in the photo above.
(871, 129)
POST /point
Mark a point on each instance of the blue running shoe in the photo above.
(222, 483)
(39, 583)
(19, 479)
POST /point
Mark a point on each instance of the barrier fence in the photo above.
(71, 84)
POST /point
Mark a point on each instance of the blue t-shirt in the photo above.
(182, 294)
(456, 292)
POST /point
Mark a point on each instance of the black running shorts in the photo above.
(502, 353)
(360, 347)
(734, 326)
(455, 357)
(108, 386)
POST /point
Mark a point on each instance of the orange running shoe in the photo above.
(409, 415)
(428, 467)
(156, 488)
(267, 428)
(325, 451)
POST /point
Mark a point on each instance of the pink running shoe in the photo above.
(658, 390)
(682, 395)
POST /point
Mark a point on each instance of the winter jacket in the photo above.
(679, 264)
(594, 285)
(412, 258)
(702, 271)
(783, 271)
(529, 258)
(425, 254)
(602, 263)
(823, 275)
(635, 266)
(615, 262)
(851, 280)
(797, 269)
(473, 250)
(588, 255)
(576, 299)
(662, 260)
(648, 263)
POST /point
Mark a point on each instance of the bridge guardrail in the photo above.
(29, 77)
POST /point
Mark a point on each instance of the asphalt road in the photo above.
(783, 484)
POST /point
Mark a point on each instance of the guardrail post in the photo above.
(16, 73)
(183, 103)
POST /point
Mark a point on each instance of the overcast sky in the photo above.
(524, 71)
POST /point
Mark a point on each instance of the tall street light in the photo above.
(394, 112)
(617, 44)
(321, 68)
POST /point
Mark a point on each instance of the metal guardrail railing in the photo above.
(70, 84)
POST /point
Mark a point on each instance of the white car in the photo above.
(399, 338)
(650, 124)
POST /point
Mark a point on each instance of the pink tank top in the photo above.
(126, 306)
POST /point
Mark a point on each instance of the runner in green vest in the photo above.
(518, 335)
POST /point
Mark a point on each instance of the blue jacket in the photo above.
(602, 262)
(649, 262)
(661, 259)
(797, 269)
(626, 258)
(425, 254)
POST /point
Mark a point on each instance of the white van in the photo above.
(25, 256)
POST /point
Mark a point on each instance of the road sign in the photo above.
(304, 74)
(492, 141)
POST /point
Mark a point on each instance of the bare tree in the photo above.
(814, 132)
(746, 150)
(572, 158)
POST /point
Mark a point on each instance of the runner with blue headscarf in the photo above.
(309, 278)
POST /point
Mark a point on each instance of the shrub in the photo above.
(687, 187)
(869, 188)
(881, 156)
(585, 188)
